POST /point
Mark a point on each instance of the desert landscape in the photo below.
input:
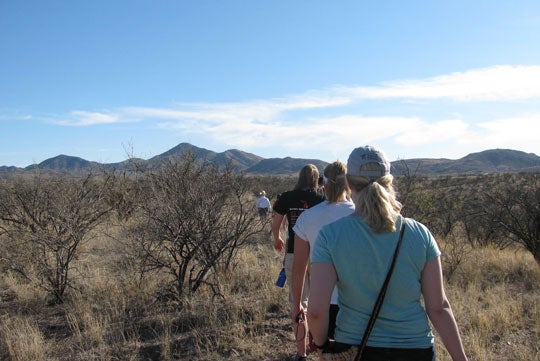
(174, 263)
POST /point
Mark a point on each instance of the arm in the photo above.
(300, 263)
(323, 280)
(439, 310)
(279, 243)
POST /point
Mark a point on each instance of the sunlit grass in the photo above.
(22, 340)
(114, 314)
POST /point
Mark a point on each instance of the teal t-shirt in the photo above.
(361, 259)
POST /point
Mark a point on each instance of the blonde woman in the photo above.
(336, 205)
(354, 253)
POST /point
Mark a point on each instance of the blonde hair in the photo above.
(375, 199)
(335, 185)
(308, 178)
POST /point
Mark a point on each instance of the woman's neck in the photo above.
(342, 198)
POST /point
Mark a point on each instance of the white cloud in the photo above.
(296, 122)
(338, 134)
(518, 131)
(84, 118)
(430, 133)
(256, 109)
(240, 124)
(457, 138)
(498, 83)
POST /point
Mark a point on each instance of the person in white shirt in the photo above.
(336, 205)
(263, 205)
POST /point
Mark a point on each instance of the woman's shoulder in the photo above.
(419, 232)
(346, 204)
(415, 225)
(343, 222)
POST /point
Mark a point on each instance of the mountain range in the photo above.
(488, 161)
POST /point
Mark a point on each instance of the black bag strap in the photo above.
(380, 298)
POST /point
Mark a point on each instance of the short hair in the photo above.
(308, 177)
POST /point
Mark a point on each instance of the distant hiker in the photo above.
(290, 205)
(263, 205)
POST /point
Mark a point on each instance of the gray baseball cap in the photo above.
(364, 155)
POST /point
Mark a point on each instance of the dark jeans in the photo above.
(332, 320)
(387, 354)
(397, 354)
(263, 212)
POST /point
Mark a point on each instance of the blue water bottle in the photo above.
(281, 278)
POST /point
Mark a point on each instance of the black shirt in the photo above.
(292, 204)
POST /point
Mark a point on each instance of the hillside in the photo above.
(488, 161)
(283, 165)
(65, 162)
(239, 159)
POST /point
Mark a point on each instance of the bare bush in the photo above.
(121, 194)
(500, 210)
(454, 253)
(44, 221)
(513, 203)
(192, 219)
(273, 185)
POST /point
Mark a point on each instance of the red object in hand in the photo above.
(311, 345)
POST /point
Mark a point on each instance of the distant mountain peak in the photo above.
(488, 161)
(238, 158)
(65, 163)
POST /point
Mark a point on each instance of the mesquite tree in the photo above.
(43, 223)
(192, 218)
(513, 202)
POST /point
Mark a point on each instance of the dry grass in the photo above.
(22, 339)
(496, 298)
(115, 315)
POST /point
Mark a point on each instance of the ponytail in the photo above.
(376, 201)
(334, 182)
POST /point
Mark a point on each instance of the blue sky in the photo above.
(105, 80)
